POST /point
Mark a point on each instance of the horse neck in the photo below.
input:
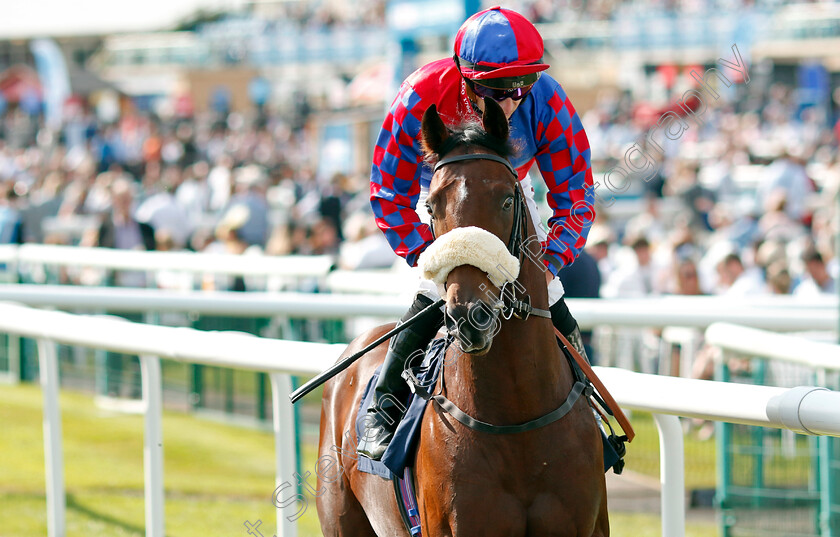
(524, 367)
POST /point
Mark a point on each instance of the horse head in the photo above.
(478, 219)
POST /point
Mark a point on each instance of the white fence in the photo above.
(182, 268)
(108, 258)
(696, 312)
(242, 351)
(738, 339)
(811, 410)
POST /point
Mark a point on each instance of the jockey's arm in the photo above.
(395, 178)
(564, 162)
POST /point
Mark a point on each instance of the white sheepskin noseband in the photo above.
(468, 246)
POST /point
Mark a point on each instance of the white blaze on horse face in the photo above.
(462, 192)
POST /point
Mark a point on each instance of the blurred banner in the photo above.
(52, 69)
(410, 20)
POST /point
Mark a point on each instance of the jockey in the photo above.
(498, 55)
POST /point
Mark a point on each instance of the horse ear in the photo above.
(494, 120)
(434, 132)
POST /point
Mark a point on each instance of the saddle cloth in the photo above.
(400, 452)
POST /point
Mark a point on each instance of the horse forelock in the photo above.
(474, 139)
(471, 134)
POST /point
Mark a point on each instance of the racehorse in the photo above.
(547, 481)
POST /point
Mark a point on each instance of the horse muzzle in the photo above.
(473, 326)
(471, 320)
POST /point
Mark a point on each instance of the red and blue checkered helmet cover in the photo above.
(499, 42)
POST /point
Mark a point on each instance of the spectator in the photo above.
(817, 280)
(251, 184)
(787, 174)
(10, 220)
(365, 247)
(119, 229)
(43, 203)
(323, 238)
(193, 194)
(735, 280)
(230, 241)
(778, 278)
(635, 278)
(598, 247)
(220, 181)
(776, 223)
(686, 278)
(163, 212)
(582, 279)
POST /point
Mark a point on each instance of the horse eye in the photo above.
(508, 203)
(429, 209)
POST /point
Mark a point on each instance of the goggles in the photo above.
(499, 94)
(498, 88)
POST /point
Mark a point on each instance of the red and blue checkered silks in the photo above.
(546, 128)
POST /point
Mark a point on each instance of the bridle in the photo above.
(509, 306)
(508, 303)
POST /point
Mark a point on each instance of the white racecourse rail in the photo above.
(291, 266)
(804, 409)
(697, 312)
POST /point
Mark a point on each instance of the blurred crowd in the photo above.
(220, 184)
(547, 11)
(743, 206)
(333, 14)
(743, 203)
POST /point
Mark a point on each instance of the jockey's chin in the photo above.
(509, 106)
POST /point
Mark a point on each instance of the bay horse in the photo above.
(548, 481)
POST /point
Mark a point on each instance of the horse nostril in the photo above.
(480, 315)
(454, 316)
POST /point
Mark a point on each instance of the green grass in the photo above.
(643, 453)
(217, 476)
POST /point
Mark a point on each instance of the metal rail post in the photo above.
(153, 445)
(53, 456)
(671, 474)
(284, 442)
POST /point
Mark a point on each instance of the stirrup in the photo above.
(374, 448)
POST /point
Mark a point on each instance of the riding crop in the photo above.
(344, 364)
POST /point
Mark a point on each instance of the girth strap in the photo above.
(484, 427)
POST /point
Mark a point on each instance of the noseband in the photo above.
(510, 305)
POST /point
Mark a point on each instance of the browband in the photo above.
(477, 156)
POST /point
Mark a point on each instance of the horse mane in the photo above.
(470, 133)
